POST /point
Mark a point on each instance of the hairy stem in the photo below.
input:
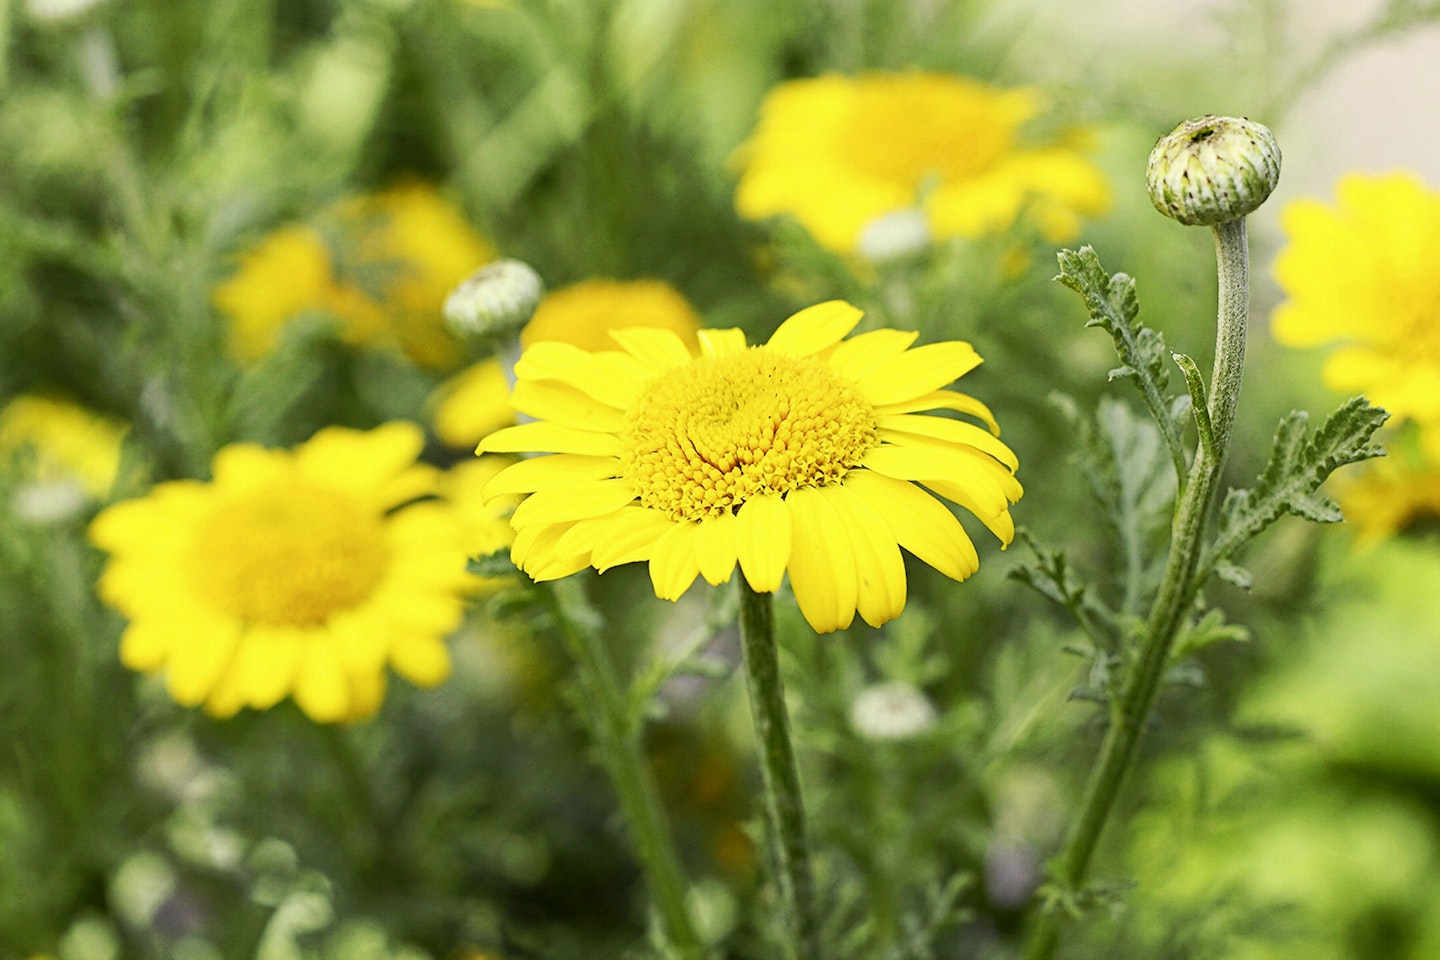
(783, 805)
(1130, 713)
(617, 738)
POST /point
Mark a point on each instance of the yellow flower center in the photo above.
(706, 437)
(290, 557)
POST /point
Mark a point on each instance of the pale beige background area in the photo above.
(1378, 110)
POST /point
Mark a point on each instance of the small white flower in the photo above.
(892, 711)
(896, 234)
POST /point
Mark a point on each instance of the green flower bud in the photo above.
(496, 301)
(1213, 170)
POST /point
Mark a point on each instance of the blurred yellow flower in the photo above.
(799, 456)
(1362, 274)
(843, 154)
(291, 573)
(69, 443)
(483, 525)
(379, 265)
(1392, 492)
(476, 401)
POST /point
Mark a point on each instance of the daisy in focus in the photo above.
(301, 573)
(802, 456)
(379, 265)
(845, 154)
(476, 401)
(1361, 275)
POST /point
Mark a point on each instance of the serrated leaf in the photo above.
(1236, 576)
(1114, 306)
(1299, 463)
(1051, 577)
(1207, 631)
(492, 565)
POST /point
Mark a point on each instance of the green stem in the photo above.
(617, 737)
(1131, 712)
(783, 803)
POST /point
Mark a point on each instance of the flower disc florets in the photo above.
(1213, 170)
(707, 437)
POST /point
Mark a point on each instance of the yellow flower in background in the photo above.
(379, 265)
(799, 456)
(842, 153)
(483, 524)
(290, 573)
(69, 443)
(1362, 275)
(476, 401)
(1393, 491)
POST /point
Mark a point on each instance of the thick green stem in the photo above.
(783, 804)
(1131, 712)
(617, 738)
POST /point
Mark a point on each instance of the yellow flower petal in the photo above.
(921, 524)
(718, 343)
(546, 400)
(527, 476)
(859, 356)
(815, 328)
(716, 548)
(918, 372)
(321, 689)
(944, 400)
(551, 438)
(631, 534)
(195, 666)
(822, 562)
(612, 377)
(900, 428)
(763, 541)
(879, 570)
(658, 349)
(673, 565)
(420, 658)
(573, 501)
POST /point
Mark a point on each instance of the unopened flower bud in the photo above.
(496, 300)
(1213, 170)
(892, 711)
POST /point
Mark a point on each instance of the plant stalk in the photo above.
(1130, 714)
(783, 804)
(617, 738)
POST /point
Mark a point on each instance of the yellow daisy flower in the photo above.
(799, 456)
(380, 265)
(290, 573)
(476, 401)
(844, 153)
(1362, 274)
(70, 443)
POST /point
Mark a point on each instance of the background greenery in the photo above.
(1287, 803)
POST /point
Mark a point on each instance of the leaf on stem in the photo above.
(1290, 483)
(1114, 307)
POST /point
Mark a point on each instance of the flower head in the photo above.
(1361, 274)
(297, 573)
(379, 265)
(839, 153)
(802, 456)
(476, 401)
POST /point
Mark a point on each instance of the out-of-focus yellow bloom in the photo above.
(1390, 493)
(70, 444)
(379, 265)
(297, 573)
(803, 456)
(1362, 274)
(476, 402)
(484, 527)
(844, 153)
